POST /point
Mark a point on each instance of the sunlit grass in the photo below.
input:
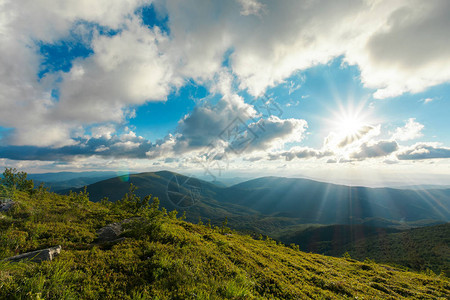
(164, 257)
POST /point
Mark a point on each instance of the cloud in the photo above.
(398, 46)
(300, 153)
(410, 48)
(421, 151)
(341, 140)
(230, 126)
(268, 134)
(126, 69)
(412, 130)
(251, 7)
(205, 124)
(376, 149)
(294, 35)
(26, 102)
(115, 146)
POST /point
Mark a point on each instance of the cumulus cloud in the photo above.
(125, 69)
(423, 151)
(410, 131)
(398, 46)
(26, 103)
(205, 124)
(251, 7)
(410, 48)
(391, 42)
(117, 146)
(301, 153)
(232, 126)
(269, 134)
(341, 140)
(376, 149)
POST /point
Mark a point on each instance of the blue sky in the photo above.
(353, 92)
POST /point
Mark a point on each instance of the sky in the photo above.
(351, 91)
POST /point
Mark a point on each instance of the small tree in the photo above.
(224, 224)
(14, 180)
(132, 203)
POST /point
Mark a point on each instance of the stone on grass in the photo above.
(38, 255)
(109, 233)
(6, 204)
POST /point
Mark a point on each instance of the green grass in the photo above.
(164, 257)
(419, 249)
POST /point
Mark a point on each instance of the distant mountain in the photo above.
(422, 187)
(175, 191)
(325, 203)
(69, 180)
(66, 176)
(226, 181)
(294, 200)
(418, 248)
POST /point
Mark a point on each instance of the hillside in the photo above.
(331, 239)
(295, 200)
(163, 257)
(417, 248)
(198, 197)
(319, 202)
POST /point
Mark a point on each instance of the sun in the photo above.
(349, 125)
(347, 129)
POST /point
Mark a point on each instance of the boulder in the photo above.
(6, 204)
(112, 232)
(109, 233)
(37, 256)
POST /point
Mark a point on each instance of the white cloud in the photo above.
(126, 69)
(421, 151)
(398, 46)
(272, 133)
(338, 140)
(251, 7)
(25, 102)
(375, 149)
(412, 130)
(300, 153)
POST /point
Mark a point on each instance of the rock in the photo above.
(109, 233)
(6, 204)
(112, 232)
(37, 256)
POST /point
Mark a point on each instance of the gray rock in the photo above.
(109, 233)
(112, 232)
(6, 204)
(37, 256)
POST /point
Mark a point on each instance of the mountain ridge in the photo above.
(300, 200)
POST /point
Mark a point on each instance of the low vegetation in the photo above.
(419, 249)
(164, 257)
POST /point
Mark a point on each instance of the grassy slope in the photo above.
(164, 257)
(419, 248)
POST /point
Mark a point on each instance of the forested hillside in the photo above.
(294, 200)
(418, 248)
